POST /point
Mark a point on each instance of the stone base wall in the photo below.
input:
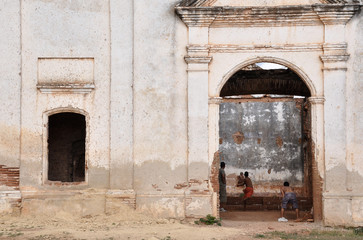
(96, 202)
(10, 197)
(77, 202)
(343, 211)
(10, 202)
(117, 199)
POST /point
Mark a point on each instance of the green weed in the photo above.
(358, 231)
(315, 234)
(260, 236)
(209, 220)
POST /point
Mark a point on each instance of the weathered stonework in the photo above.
(147, 79)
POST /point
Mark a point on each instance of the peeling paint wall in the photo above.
(148, 81)
(10, 85)
(263, 138)
(349, 171)
(160, 130)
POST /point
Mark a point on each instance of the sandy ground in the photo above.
(235, 225)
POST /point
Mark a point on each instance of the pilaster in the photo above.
(318, 164)
(334, 59)
(198, 60)
(198, 163)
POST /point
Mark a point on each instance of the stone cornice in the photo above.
(331, 14)
(197, 16)
(195, 3)
(334, 58)
(256, 48)
(193, 48)
(335, 47)
(215, 100)
(197, 59)
(67, 88)
(316, 100)
(205, 16)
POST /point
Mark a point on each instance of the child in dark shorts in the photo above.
(288, 196)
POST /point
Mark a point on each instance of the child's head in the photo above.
(286, 184)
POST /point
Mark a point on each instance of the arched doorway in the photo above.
(265, 129)
(66, 147)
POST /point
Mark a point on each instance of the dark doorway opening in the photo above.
(66, 147)
(265, 128)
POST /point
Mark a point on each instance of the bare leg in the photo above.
(282, 212)
(297, 213)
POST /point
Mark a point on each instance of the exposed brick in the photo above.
(9, 176)
(265, 203)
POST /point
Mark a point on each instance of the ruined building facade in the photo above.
(114, 103)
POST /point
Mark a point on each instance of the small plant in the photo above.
(260, 236)
(209, 220)
(166, 238)
(358, 231)
(15, 234)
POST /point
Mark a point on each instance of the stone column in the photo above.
(334, 60)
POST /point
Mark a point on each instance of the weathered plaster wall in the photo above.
(121, 107)
(10, 84)
(73, 31)
(266, 36)
(160, 134)
(355, 110)
(147, 117)
(263, 138)
(349, 173)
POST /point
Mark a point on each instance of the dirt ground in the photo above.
(235, 225)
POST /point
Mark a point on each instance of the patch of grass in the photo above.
(284, 235)
(15, 234)
(45, 237)
(260, 236)
(166, 238)
(315, 234)
(209, 220)
(358, 231)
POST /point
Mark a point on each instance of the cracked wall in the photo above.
(262, 137)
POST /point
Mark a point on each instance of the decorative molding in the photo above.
(316, 100)
(199, 3)
(215, 100)
(344, 195)
(68, 88)
(197, 16)
(197, 59)
(194, 3)
(335, 47)
(335, 69)
(334, 58)
(193, 48)
(264, 48)
(266, 16)
(331, 14)
(295, 15)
